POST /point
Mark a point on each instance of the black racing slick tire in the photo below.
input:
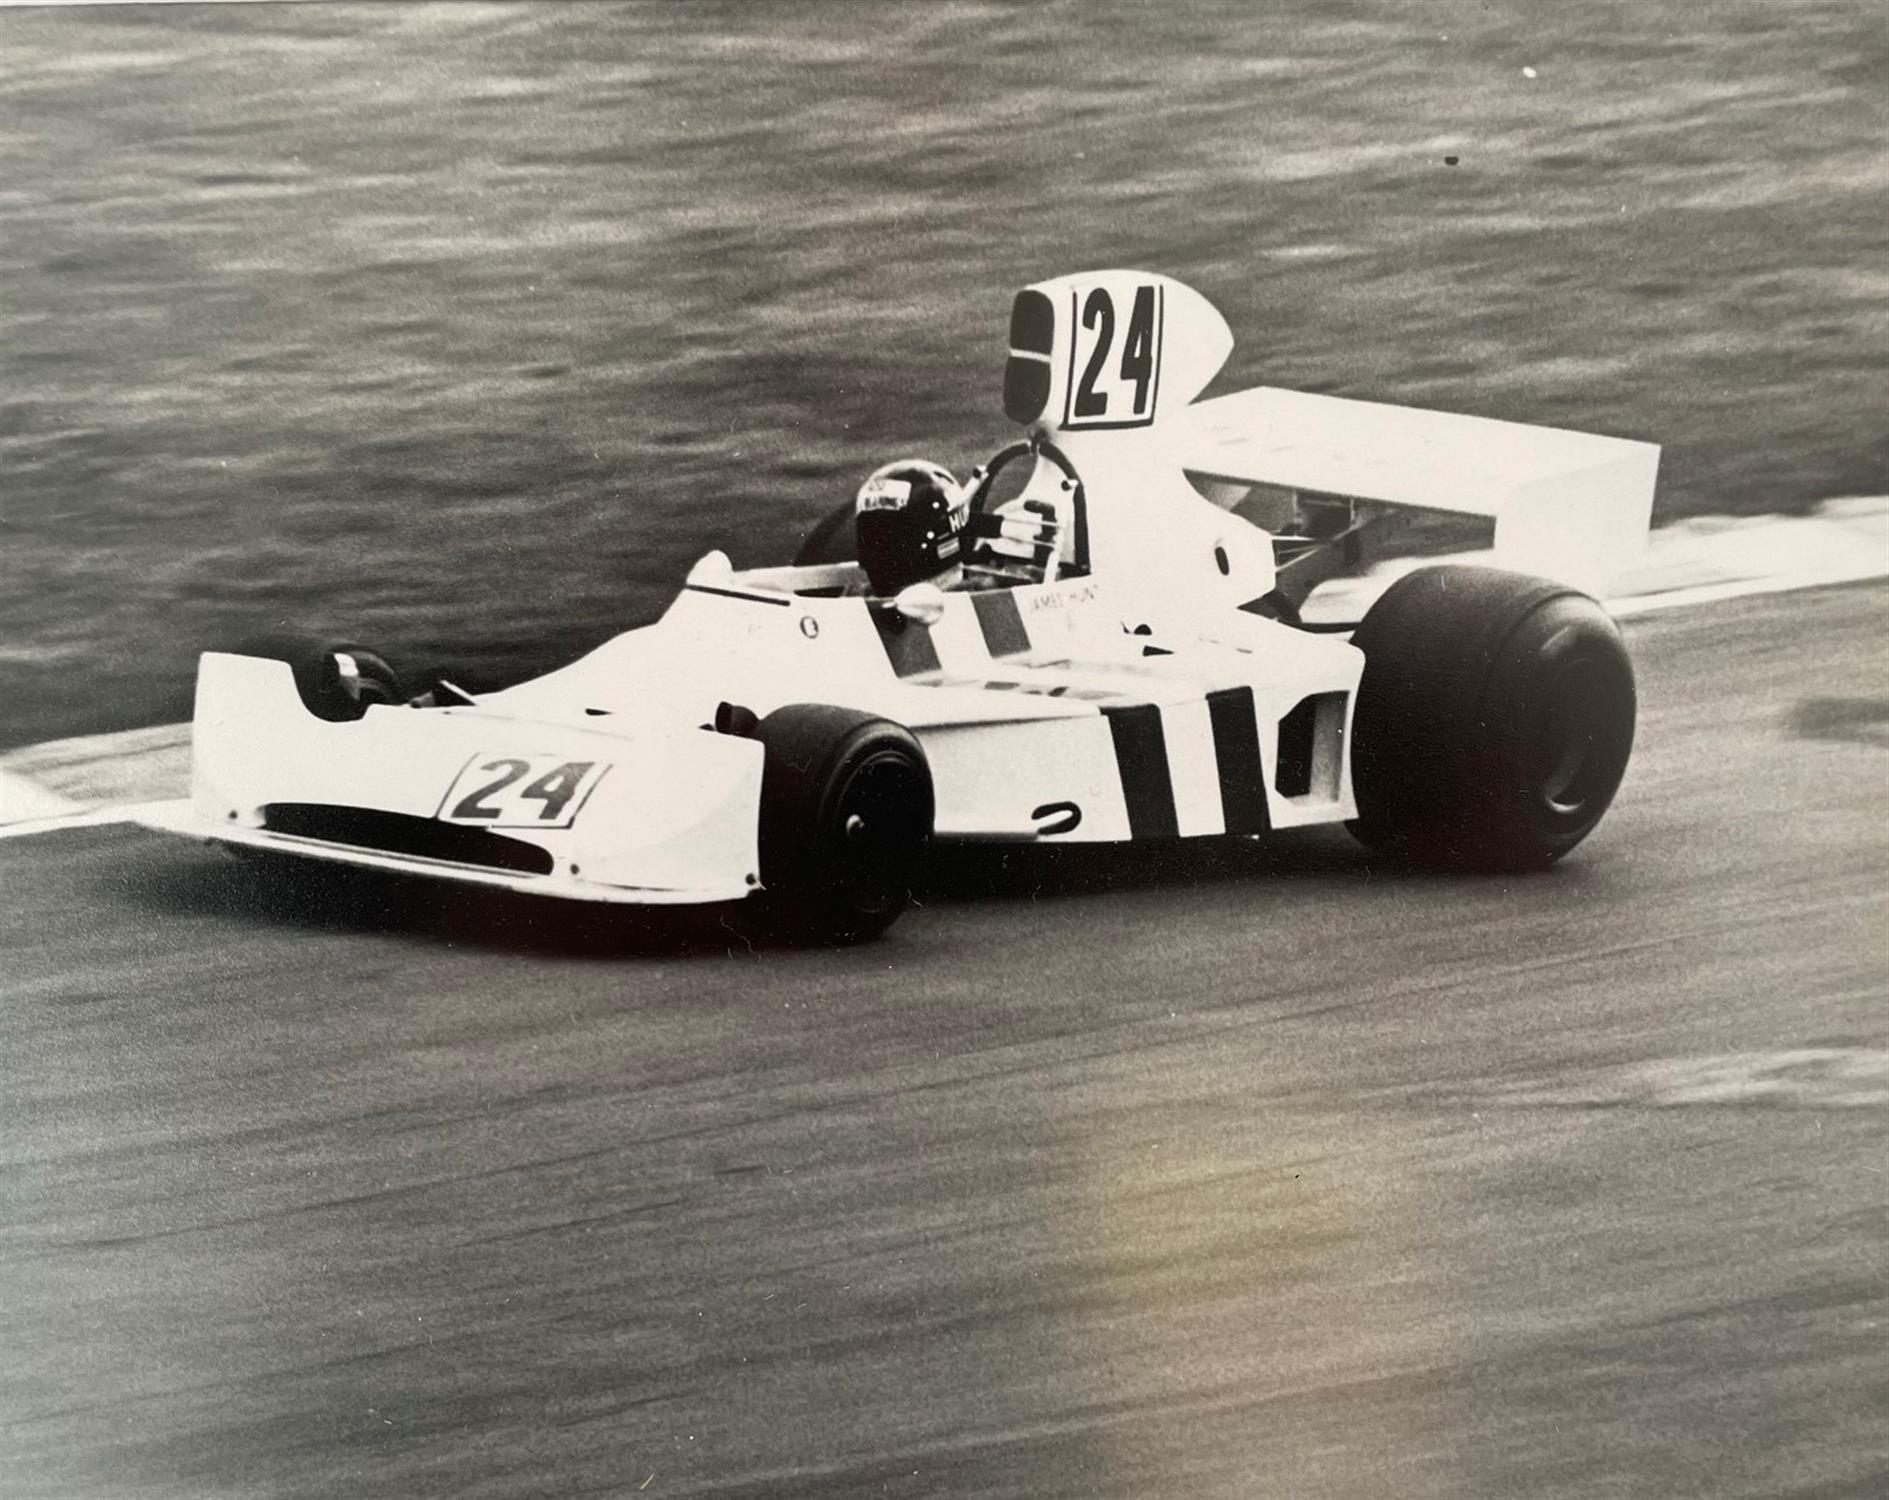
(846, 815)
(1494, 719)
(831, 541)
(337, 680)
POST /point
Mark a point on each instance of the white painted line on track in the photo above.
(111, 778)
(1695, 561)
(93, 817)
(94, 779)
(23, 800)
(1711, 593)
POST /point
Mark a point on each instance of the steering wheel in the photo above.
(984, 478)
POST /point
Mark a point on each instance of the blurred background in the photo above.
(461, 329)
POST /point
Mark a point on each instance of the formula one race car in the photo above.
(1119, 659)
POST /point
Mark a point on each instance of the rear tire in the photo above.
(846, 815)
(1494, 720)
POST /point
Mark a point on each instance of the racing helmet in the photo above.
(906, 520)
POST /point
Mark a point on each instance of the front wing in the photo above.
(645, 813)
(180, 817)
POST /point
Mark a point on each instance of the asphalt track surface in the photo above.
(1263, 1174)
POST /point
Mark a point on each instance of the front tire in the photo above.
(846, 816)
(1494, 720)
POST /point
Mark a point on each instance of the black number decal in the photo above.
(1089, 401)
(555, 788)
(1066, 815)
(472, 804)
(1138, 350)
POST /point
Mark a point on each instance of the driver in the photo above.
(908, 523)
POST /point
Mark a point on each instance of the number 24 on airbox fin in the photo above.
(1095, 342)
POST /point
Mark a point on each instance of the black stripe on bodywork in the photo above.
(908, 644)
(1027, 371)
(1026, 388)
(1141, 756)
(1001, 622)
(1298, 741)
(1296, 744)
(1236, 752)
(703, 588)
(1066, 818)
(1032, 322)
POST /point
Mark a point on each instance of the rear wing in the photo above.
(1568, 505)
(1108, 365)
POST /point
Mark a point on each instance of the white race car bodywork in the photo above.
(1133, 695)
(1040, 717)
(265, 770)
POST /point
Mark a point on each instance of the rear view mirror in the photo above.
(922, 603)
